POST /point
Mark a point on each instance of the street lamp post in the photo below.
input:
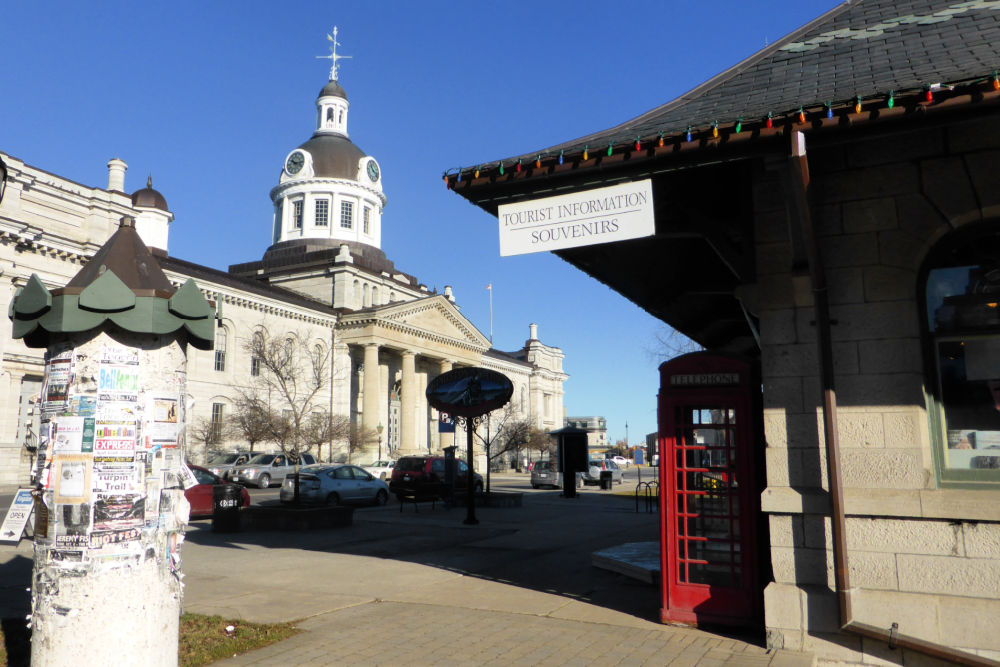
(379, 429)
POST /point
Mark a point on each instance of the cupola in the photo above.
(152, 217)
(329, 191)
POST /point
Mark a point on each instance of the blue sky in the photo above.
(209, 97)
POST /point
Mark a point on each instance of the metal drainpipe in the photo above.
(798, 171)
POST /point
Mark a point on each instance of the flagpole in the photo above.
(489, 288)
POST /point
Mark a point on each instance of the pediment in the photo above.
(434, 318)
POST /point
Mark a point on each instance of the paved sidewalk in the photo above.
(414, 589)
(424, 589)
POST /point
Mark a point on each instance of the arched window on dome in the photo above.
(357, 292)
(341, 121)
(368, 300)
(392, 297)
(375, 296)
(329, 117)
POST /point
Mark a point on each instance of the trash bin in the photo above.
(605, 479)
(227, 501)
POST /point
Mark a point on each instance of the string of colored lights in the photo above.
(926, 95)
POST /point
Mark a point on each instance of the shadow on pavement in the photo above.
(15, 605)
(545, 545)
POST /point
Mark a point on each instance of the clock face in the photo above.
(294, 163)
(372, 170)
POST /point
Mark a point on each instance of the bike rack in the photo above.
(651, 493)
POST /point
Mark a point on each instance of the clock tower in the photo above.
(329, 192)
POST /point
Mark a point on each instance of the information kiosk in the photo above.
(710, 498)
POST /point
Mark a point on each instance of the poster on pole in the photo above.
(17, 517)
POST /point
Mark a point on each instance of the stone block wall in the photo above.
(925, 557)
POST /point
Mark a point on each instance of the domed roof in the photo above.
(333, 89)
(149, 198)
(333, 156)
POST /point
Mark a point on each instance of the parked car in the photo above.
(621, 461)
(545, 473)
(424, 476)
(380, 469)
(263, 469)
(334, 484)
(596, 466)
(223, 464)
(199, 496)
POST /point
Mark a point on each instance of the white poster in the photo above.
(68, 434)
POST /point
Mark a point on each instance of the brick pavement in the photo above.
(392, 633)
(423, 589)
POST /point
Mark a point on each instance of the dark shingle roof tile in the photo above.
(863, 47)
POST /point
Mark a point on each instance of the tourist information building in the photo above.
(823, 219)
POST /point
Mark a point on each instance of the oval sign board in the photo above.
(469, 391)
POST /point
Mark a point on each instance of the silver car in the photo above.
(263, 469)
(546, 473)
(335, 484)
(223, 464)
(596, 466)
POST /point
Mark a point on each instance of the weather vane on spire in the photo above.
(333, 54)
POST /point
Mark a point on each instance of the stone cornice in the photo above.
(261, 304)
(388, 326)
(279, 190)
(26, 238)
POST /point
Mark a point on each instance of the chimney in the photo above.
(116, 175)
(532, 332)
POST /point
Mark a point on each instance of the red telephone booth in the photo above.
(710, 498)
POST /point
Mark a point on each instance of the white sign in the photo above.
(615, 213)
(17, 516)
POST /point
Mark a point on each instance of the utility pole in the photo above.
(110, 476)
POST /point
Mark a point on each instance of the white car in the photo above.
(621, 461)
(380, 469)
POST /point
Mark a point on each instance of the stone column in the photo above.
(408, 403)
(446, 439)
(420, 418)
(370, 402)
(341, 379)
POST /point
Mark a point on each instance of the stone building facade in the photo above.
(324, 278)
(597, 433)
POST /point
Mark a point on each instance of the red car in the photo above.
(200, 495)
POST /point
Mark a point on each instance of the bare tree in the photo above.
(540, 440)
(361, 438)
(208, 432)
(322, 428)
(501, 433)
(671, 343)
(620, 448)
(251, 418)
(293, 372)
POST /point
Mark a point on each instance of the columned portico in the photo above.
(401, 347)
